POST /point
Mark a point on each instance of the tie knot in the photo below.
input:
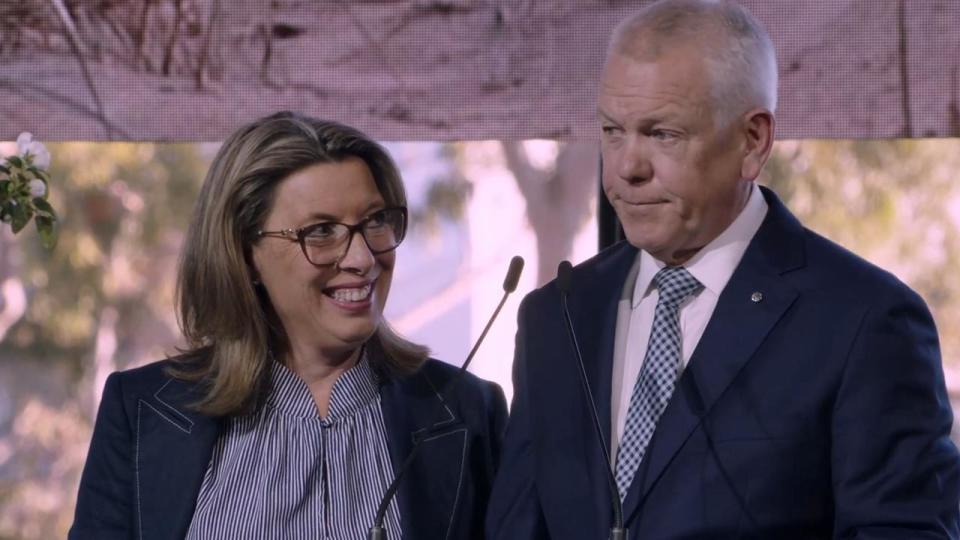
(675, 284)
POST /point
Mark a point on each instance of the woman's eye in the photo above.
(322, 230)
(377, 219)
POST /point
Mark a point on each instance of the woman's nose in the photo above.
(357, 258)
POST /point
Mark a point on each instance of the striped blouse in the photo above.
(286, 473)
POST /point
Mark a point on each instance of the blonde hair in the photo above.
(229, 324)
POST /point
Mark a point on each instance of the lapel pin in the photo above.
(756, 297)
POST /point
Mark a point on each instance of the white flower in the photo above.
(41, 156)
(37, 188)
(23, 142)
(26, 145)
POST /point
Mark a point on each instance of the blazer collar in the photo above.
(754, 300)
(172, 451)
(430, 488)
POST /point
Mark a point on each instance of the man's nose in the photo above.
(357, 258)
(634, 165)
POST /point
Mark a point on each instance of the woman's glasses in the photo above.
(327, 242)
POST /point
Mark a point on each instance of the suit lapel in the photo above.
(739, 324)
(173, 448)
(412, 410)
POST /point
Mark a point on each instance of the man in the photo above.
(753, 380)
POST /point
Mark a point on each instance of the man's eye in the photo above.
(610, 130)
(662, 135)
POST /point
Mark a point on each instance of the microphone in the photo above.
(377, 531)
(694, 399)
(564, 279)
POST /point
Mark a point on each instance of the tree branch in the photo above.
(76, 46)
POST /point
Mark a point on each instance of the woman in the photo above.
(294, 404)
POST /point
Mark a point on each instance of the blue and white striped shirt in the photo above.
(286, 473)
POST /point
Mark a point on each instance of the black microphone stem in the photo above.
(617, 532)
(377, 532)
(696, 405)
(483, 334)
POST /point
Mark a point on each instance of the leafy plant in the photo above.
(24, 189)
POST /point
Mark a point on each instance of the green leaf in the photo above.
(39, 173)
(5, 186)
(7, 208)
(21, 216)
(44, 208)
(47, 228)
(4, 169)
(15, 161)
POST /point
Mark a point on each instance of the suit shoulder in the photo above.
(837, 270)
(611, 257)
(473, 393)
(439, 374)
(143, 380)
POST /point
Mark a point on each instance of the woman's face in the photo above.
(333, 308)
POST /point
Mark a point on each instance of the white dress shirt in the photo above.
(712, 266)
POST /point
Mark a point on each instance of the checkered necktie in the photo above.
(661, 365)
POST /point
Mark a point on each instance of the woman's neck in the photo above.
(320, 371)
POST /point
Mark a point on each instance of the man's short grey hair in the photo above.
(738, 50)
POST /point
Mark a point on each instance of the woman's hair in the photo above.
(229, 324)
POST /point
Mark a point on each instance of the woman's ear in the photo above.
(759, 126)
(251, 266)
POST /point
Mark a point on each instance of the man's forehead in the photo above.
(662, 89)
(676, 71)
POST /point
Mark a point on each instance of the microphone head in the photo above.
(564, 276)
(513, 274)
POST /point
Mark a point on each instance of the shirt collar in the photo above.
(714, 264)
(353, 390)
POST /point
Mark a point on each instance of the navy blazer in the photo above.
(149, 453)
(816, 409)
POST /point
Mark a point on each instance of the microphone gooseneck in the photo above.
(691, 392)
(564, 283)
(377, 531)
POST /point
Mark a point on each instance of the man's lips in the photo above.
(642, 203)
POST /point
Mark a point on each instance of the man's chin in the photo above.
(646, 241)
(660, 249)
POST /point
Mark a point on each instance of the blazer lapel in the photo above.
(750, 305)
(173, 448)
(429, 491)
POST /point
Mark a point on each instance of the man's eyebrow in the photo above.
(604, 116)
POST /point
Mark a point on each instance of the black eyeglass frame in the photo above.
(300, 235)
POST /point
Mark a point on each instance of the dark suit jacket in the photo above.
(149, 453)
(824, 404)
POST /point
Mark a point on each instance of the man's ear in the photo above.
(758, 127)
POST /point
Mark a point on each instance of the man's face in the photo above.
(673, 176)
